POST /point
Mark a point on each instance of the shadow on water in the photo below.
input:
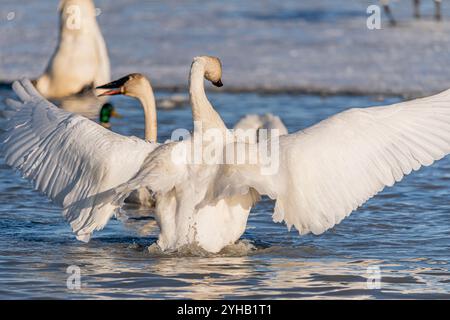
(4, 85)
(307, 15)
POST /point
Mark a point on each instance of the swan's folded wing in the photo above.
(68, 157)
(330, 169)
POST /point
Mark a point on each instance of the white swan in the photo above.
(183, 185)
(72, 159)
(254, 123)
(80, 60)
(325, 171)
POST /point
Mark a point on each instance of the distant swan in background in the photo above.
(255, 122)
(71, 158)
(86, 104)
(416, 3)
(80, 61)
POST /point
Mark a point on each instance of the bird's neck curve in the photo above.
(202, 110)
(147, 100)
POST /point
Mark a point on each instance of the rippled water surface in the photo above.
(404, 232)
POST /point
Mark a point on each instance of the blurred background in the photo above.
(320, 46)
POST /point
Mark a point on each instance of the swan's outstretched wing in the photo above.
(252, 123)
(330, 169)
(68, 157)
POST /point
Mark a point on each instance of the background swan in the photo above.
(71, 158)
(80, 60)
(416, 4)
(255, 122)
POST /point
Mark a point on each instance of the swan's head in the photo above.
(133, 85)
(213, 69)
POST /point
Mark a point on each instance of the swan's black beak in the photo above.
(116, 86)
(218, 83)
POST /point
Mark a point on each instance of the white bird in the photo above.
(324, 172)
(71, 158)
(80, 60)
(251, 125)
(78, 164)
(183, 185)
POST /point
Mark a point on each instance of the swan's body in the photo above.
(80, 60)
(254, 123)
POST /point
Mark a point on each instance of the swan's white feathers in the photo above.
(158, 173)
(255, 122)
(68, 157)
(335, 166)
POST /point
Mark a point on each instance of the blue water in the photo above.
(404, 232)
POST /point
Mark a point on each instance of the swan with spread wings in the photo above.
(324, 172)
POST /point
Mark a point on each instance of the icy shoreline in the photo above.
(319, 47)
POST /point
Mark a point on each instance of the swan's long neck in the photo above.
(202, 110)
(151, 125)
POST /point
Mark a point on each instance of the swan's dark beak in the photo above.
(113, 92)
(218, 83)
(116, 86)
